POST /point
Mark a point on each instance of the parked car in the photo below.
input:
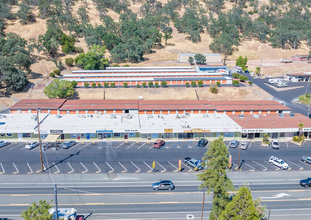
(234, 143)
(244, 145)
(275, 144)
(32, 144)
(163, 185)
(278, 162)
(158, 143)
(193, 163)
(306, 159)
(305, 183)
(246, 71)
(202, 142)
(67, 144)
(3, 143)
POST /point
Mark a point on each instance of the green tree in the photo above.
(200, 83)
(74, 84)
(150, 84)
(137, 86)
(61, 89)
(38, 211)
(25, 14)
(86, 85)
(240, 61)
(241, 207)
(191, 60)
(93, 85)
(250, 83)
(243, 78)
(52, 74)
(168, 35)
(112, 85)
(200, 59)
(156, 85)
(187, 84)
(106, 85)
(193, 84)
(214, 178)
(57, 72)
(235, 83)
(213, 88)
(51, 40)
(300, 127)
(235, 75)
(257, 71)
(99, 85)
(144, 84)
(69, 61)
(94, 59)
(125, 85)
(163, 84)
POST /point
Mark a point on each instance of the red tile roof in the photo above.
(38, 103)
(99, 104)
(175, 105)
(255, 105)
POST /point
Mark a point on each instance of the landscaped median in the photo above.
(304, 99)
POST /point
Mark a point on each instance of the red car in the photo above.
(158, 143)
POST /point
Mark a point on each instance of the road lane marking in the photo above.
(272, 165)
(56, 168)
(264, 168)
(141, 145)
(3, 171)
(162, 171)
(30, 169)
(86, 170)
(125, 170)
(174, 167)
(20, 195)
(148, 167)
(72, 170)
(151, 147)
(252, 168)
(16, 169)
(110, 168)
(138, 170)
(300, 167)
(120, 145)
(99, 170)
(130, 146)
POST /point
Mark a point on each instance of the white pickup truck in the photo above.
(193, 163)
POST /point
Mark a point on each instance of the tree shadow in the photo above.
(74, 96)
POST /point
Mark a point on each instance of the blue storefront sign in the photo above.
(104, 131)
(88, 136)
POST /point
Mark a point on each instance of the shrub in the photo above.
(193, 84)
(163, 84)
(106, 85)
(126, 65)
(243, 78)
(298, 139)
(265, 139)
(78, 50)
(250, 12)
(235, 83)
(112, 85)
(144, 84)
(213, 88)
(116, 65)
(93, 85)
(187, 84)
(99, 85)
(200, 83)
(125, 85)
(86, 85)
(250, 83)
(245, 6)
(150, 84)
(260, 19)
(235, 75)
(137, 86)
(231, 0)
(69, 61)
(57, 72)
(218, 84)
(52, 74)
(74, 84)
(156, 85)
(255, 11)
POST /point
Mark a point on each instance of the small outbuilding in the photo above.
(210, 58)
(300, 58)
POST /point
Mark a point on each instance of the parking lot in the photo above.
(136, 157)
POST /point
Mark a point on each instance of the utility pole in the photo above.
(260, 66)
(309, 109)
(203, 204)
(56, 207)
(38, 126)
(269, 214)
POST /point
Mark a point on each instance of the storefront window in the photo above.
(167, 135)
(143, 136)
(282, 134)
(275, 135)
(73, 135)
(132, 134)
(83, 135)
(257, 135)
(117, 135)
(9, 134)
(154, 135)
(26, 135)
(209, 134)
(244, 136)
(228, 134)
(2, 134)
(93, 135)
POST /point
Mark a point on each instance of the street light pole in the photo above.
(260, 66)
(38, 126)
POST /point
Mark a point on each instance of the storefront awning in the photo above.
(51, 138)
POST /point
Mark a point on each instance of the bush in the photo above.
(125, 85)
(255, 11)
(99, 85)
(156, 85)
(218, 84)
(265, 139)
(250, 83)
(235, 83)
(260, 19)
(144, 84)
(93, 85)
(74, 84)
(150, 84)
(86, 85)
(57, 72)
(112, 85)
(235, 75)
(243, 78)
(245, 6)
(126, 65)
(299, 139)
(213, 88)
(106, 85)
(137, 86)
(163, 84)
(193, 84)
(200, 83)
(250, 12)
(116, 65)
(52, 74)
(69, 61)
(79, 50)
(187, 84)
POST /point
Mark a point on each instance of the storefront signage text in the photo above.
(104, 131)
(56, 131)
(169, 130)
(131, 130)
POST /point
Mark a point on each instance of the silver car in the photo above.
(67, 144)
(243, 145)
(234, 144)
(3, 143)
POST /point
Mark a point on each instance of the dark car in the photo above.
(202, 142)
(306, 159)
(305, 183)
(246, 71)
(163, 184)
(158, 143)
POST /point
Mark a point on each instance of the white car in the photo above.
(3, 143)
(243, 145)
(275, 144)
(278, 162)
(31, 144)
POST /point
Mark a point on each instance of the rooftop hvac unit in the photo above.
(128, 116)
(81, 116)
(100, 112)
(281, 115)
(241, 116)
(149, 116)
(90, 116)
(2, 116)
(205, 116)
(113, 117)
(160, 116)
(291, 115)
(187, 114)
(34, 117)
(58, 116)
(255, 116)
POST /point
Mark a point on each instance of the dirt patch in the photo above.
(5, 103)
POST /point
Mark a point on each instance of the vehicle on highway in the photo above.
(67, 144)
(306, 159)
(163, 185)
(32, 144)
(3, 143)
(305, 183)
(244, 145)
(202, 142)
(234, 143)
(158, 143)
(275, 144)
(64, 213)
(193, 163)
(278, 162)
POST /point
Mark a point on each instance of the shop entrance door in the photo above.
(78, 137)
(125, 135)
(250, 136)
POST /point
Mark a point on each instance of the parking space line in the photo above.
(138, 170)
(250, 145)
(252, 168)
(187, 144)
(141, 145)
(56, 168)
(151, 147)
(16, 146)
(189, 169)
(83, 146)
(148, 167)
(162, 171)
(304, 163)
(38, 171)
(176, 144)
(300, 167)
(16, 169)
(125, 170)
(196, 146)
(174, 167)
(130, 146)
(120, 145)
(264, 168)
(99, 170)
(3, 171)
(86, 170)
(272, 165)
(72, 170)
(110, 144)
(110, 168)
(30, 169)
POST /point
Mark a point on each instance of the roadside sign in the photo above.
(153, 165)
(179, 165)
(230, 161)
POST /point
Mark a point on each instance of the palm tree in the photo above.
(300, 126)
